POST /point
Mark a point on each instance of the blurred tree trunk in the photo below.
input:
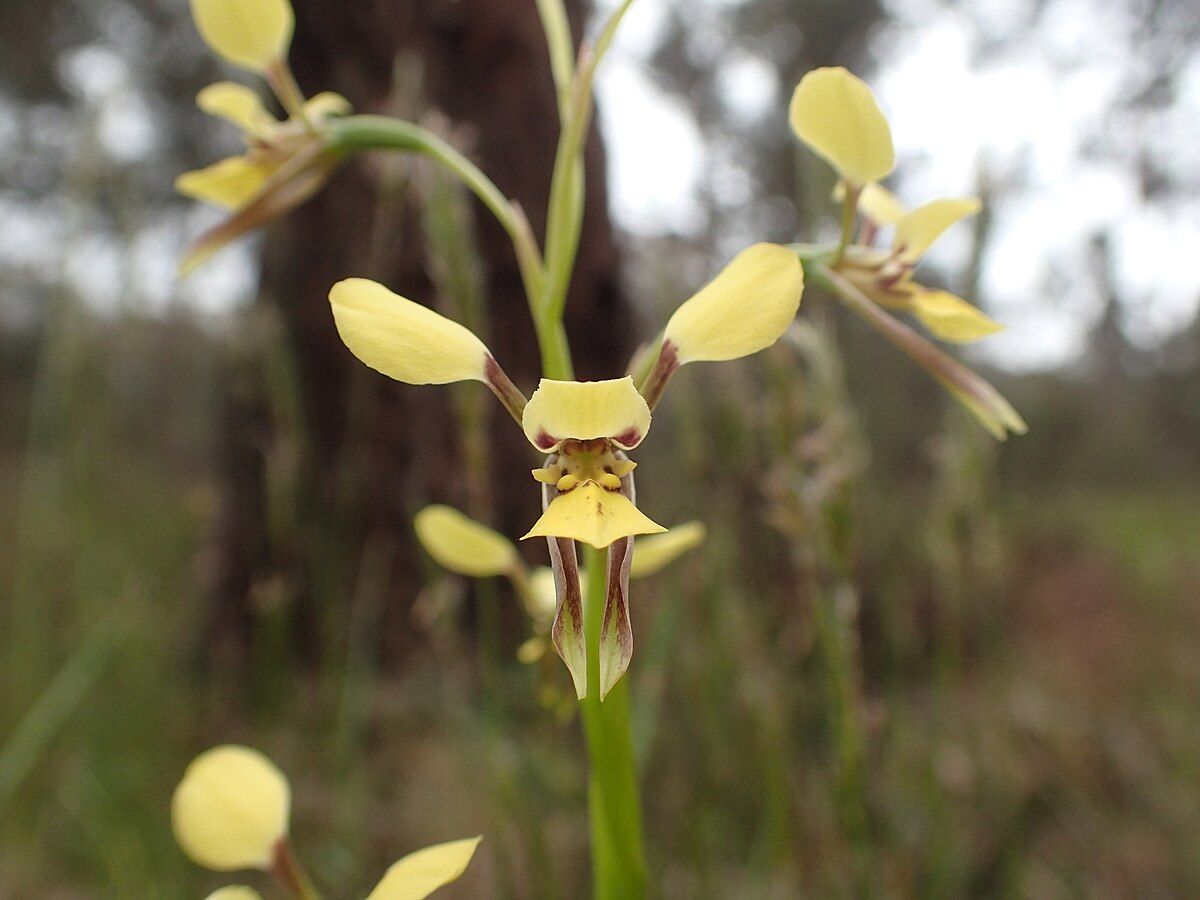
(325, 461)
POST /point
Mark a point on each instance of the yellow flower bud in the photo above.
(231, 809)
(235, 892)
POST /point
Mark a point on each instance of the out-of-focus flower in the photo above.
(836, 115)
(230, 811)
(286, 161)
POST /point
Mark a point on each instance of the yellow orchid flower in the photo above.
(230, 811)
(286, 161)
(585, 428)
(837, 116)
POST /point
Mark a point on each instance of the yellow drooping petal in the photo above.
(835, 114)
(238, 104)
(230, 184)
(419, 874)
(743, 310)
(951, 318)
(592, 515)
(653, 554)
(462, 545)
(251, 34)
(403, 339)
(582, 410)
(235, 892)
(925, 224)
(231, 809)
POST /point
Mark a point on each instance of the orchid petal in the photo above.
(238, 104)
(655, 553)
(251, 34)
(835, 114)
(743, 310)
(231, 809)
(616, 634)
(463, 545)
(925, 224)
(231, 183)
(566, 632)
(951, 318)
(591, 514)
(402, 339)
(583, 410)
(419, 874)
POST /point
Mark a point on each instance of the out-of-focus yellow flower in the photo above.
(653, 554)
(419, 874)
(251, 34)
(286, 161)
(230, 811)
(835, 114)
(886, 275)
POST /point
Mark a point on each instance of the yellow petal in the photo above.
(836, 115)
(533, 649)
(951, 318)
(251, 34)
(231, 809)
(238, 104)
(462, 545)
(402, 339)
(421, 873)
(231, 183)
(582, 410)
(235, 892)
(880, 205)
(743, 310)
(925, 224)
(325, 104)
(592, 515)
(652, 554)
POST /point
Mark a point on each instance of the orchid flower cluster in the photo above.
(231, 810)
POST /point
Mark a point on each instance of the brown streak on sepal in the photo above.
(664, 367)
(567, 631)
(616, 634)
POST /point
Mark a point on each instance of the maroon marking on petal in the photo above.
(544, 441)
(630, 437)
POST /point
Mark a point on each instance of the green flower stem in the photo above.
(355, 134)
(849, 211)
(618, 860)
(558, 39)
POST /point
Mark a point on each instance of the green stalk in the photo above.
(355, 134)
(618, 860)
